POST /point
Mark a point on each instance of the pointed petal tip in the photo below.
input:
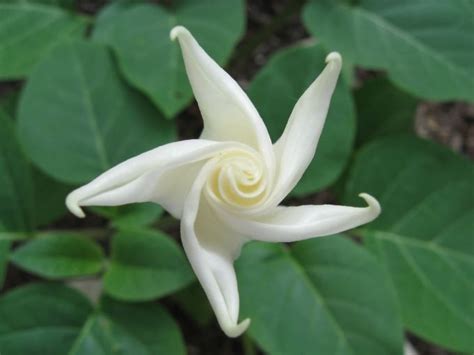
(374, 205)
(235, 330)
(334, 57)
(73, 206)
(334, 62)
(178, 31)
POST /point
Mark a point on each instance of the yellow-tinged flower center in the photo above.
(238, 180)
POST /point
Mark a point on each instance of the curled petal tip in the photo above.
(236, 330)
(334, 57)
(374, 205)
(73, 206)
(177, 31)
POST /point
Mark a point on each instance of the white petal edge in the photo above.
(163, 175)
(228, 113)
(289, 224)
(297, 145)
(213, 264)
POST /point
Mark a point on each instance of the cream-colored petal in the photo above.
(296, 147)
(289, 224)
(211, 248)
(228, 113)
(163, 175)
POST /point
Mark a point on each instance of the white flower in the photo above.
(226, 186)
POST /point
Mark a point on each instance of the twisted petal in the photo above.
(211, 248)
(163, 175)
(296, 147)
(228, 113)
(289, 224)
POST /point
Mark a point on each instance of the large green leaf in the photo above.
(149, 323)
(425, 45)
(59, 255)
(193, 301)
(29, 31)
(30, 198)
(139, 35)
(123, 329)
(49, 198)
(424, 236)
(275, 90)
(77, 118)
(9, 101)
(17, 192)
(40, 319)
(54, 320)
(383, 110)
(321, 296)
(145, 265)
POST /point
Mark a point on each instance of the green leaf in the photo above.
(59, 255)
(78, 119)
(4, 250)
(131, 216)
(424, 234)
(425, 45)
(17, 192)
(29, 31)
(122, 329)
(112, 9)
(52, 319)
(324, 294)
(193, 301)
(149, 323)
(137, 215)
(145, 265)
(64, 3)
(13, 236)
(40, 319)
(30, 198)
(383, 110)
(276, 89)
(150, 60)
(49, 199)
(9, 101)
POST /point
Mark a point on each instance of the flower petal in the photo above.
(211, 249)
(289, 224)
(228, 113)
(296, 147)
(163, 175)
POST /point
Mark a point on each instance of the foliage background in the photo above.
(87, 84)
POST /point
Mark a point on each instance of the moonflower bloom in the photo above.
(227, 185)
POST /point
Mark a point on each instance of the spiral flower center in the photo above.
(238, 180)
